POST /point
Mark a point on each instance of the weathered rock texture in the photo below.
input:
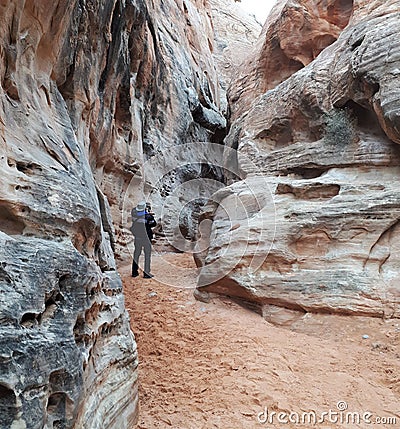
(293, 36)
(235, 34)
(68, 358)
(337, 199)
(175, 98)
(90, 90)
(180, 86)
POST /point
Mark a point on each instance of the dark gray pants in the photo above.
(145, 244)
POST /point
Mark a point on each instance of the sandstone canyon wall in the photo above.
(97, 101)
(325, 236)
(67, 353)
(198, 46)
(90, 91)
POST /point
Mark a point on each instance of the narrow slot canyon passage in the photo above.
(219, 365)
(268, 145)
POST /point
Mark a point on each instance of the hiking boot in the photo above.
(135, 274)
(147, 276)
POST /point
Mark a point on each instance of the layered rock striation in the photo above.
(325, 143)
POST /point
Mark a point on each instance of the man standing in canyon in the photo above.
(142, 223)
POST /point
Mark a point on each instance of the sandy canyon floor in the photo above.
(220, 365)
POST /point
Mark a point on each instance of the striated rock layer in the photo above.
(329, 230)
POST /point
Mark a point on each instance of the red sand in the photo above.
(219, 365)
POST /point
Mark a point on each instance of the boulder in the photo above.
(321, 146)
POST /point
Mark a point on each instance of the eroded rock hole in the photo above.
(4, 276)
(7, 406)
(357, 43)
(309, 191)
(63, 281)
(59, 408)
(28, 320)
(366, 120)
(307, 173)
(339, 12)
(52, 301)
(86, 233)
(10, 224)
(53, 298)
(79, 330)
(277, 136)
(28, 168)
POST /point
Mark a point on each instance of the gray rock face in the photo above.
(66, 349)
(335, 220)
